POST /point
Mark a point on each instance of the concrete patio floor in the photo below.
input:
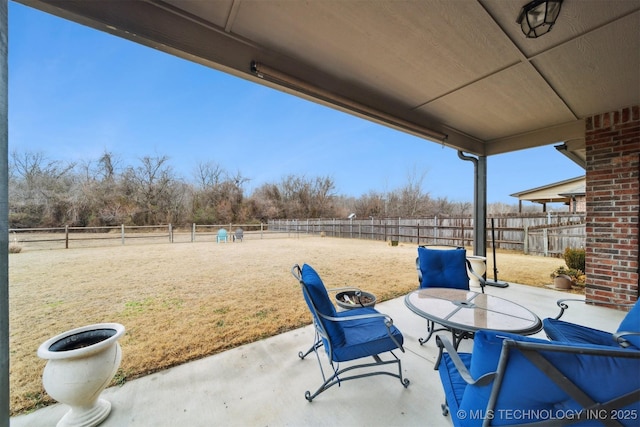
(263, 383)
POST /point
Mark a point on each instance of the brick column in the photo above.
(613, 205)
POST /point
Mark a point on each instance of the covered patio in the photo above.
(456, 73)
(263, 383)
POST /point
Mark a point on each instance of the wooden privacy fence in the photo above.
(552, 241)
(545, 234)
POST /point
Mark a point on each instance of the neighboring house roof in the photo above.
(578, 190)
(556, 192)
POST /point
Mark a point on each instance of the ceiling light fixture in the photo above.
(267, 73)
(537, 17)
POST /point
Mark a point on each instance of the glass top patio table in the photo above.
(464, 312)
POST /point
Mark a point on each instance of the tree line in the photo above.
(46, 192)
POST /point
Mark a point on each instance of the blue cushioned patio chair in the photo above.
(510, 379)
(627, 335)
(348, 335)
(443, 267)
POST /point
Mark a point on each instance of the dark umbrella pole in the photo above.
(495, 282)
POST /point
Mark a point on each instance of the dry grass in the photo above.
(184, 301)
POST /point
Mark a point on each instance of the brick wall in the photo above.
(578, 204)
(613, 205)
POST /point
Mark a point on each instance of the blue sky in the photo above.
(75, 93)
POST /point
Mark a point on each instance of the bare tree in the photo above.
(218, 197)
(463, 208)
(208, 174)
(370, 205)
(296, 197)
(322, 195)
(266, 203)
(152, 186)
(47, 192)
(98, 195)
(409, 201)
(36, 170)
(502, 208)
(40, 190)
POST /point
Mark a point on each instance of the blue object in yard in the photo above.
(222, 236)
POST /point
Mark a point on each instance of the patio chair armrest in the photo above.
(388, 320)
(444, 344)
(483, 282)
(344, 289)
(619, 337)
(563, 305)
(296, 271)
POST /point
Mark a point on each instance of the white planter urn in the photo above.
(81, 363)
(479, 265)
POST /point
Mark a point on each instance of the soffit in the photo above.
(462, 68)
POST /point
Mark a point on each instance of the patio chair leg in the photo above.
(314, 347)
(336, 379)
(445, 409)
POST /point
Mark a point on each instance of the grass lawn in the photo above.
(184, 301)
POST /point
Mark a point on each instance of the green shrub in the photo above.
(574, 258)
(577, 276)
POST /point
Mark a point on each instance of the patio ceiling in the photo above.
(459, 71)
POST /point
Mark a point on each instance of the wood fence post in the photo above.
(122, 232)
(385, 229)
(435, 230)
(545, 241)
(170, 233)
(66, 236)
(193, 232)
